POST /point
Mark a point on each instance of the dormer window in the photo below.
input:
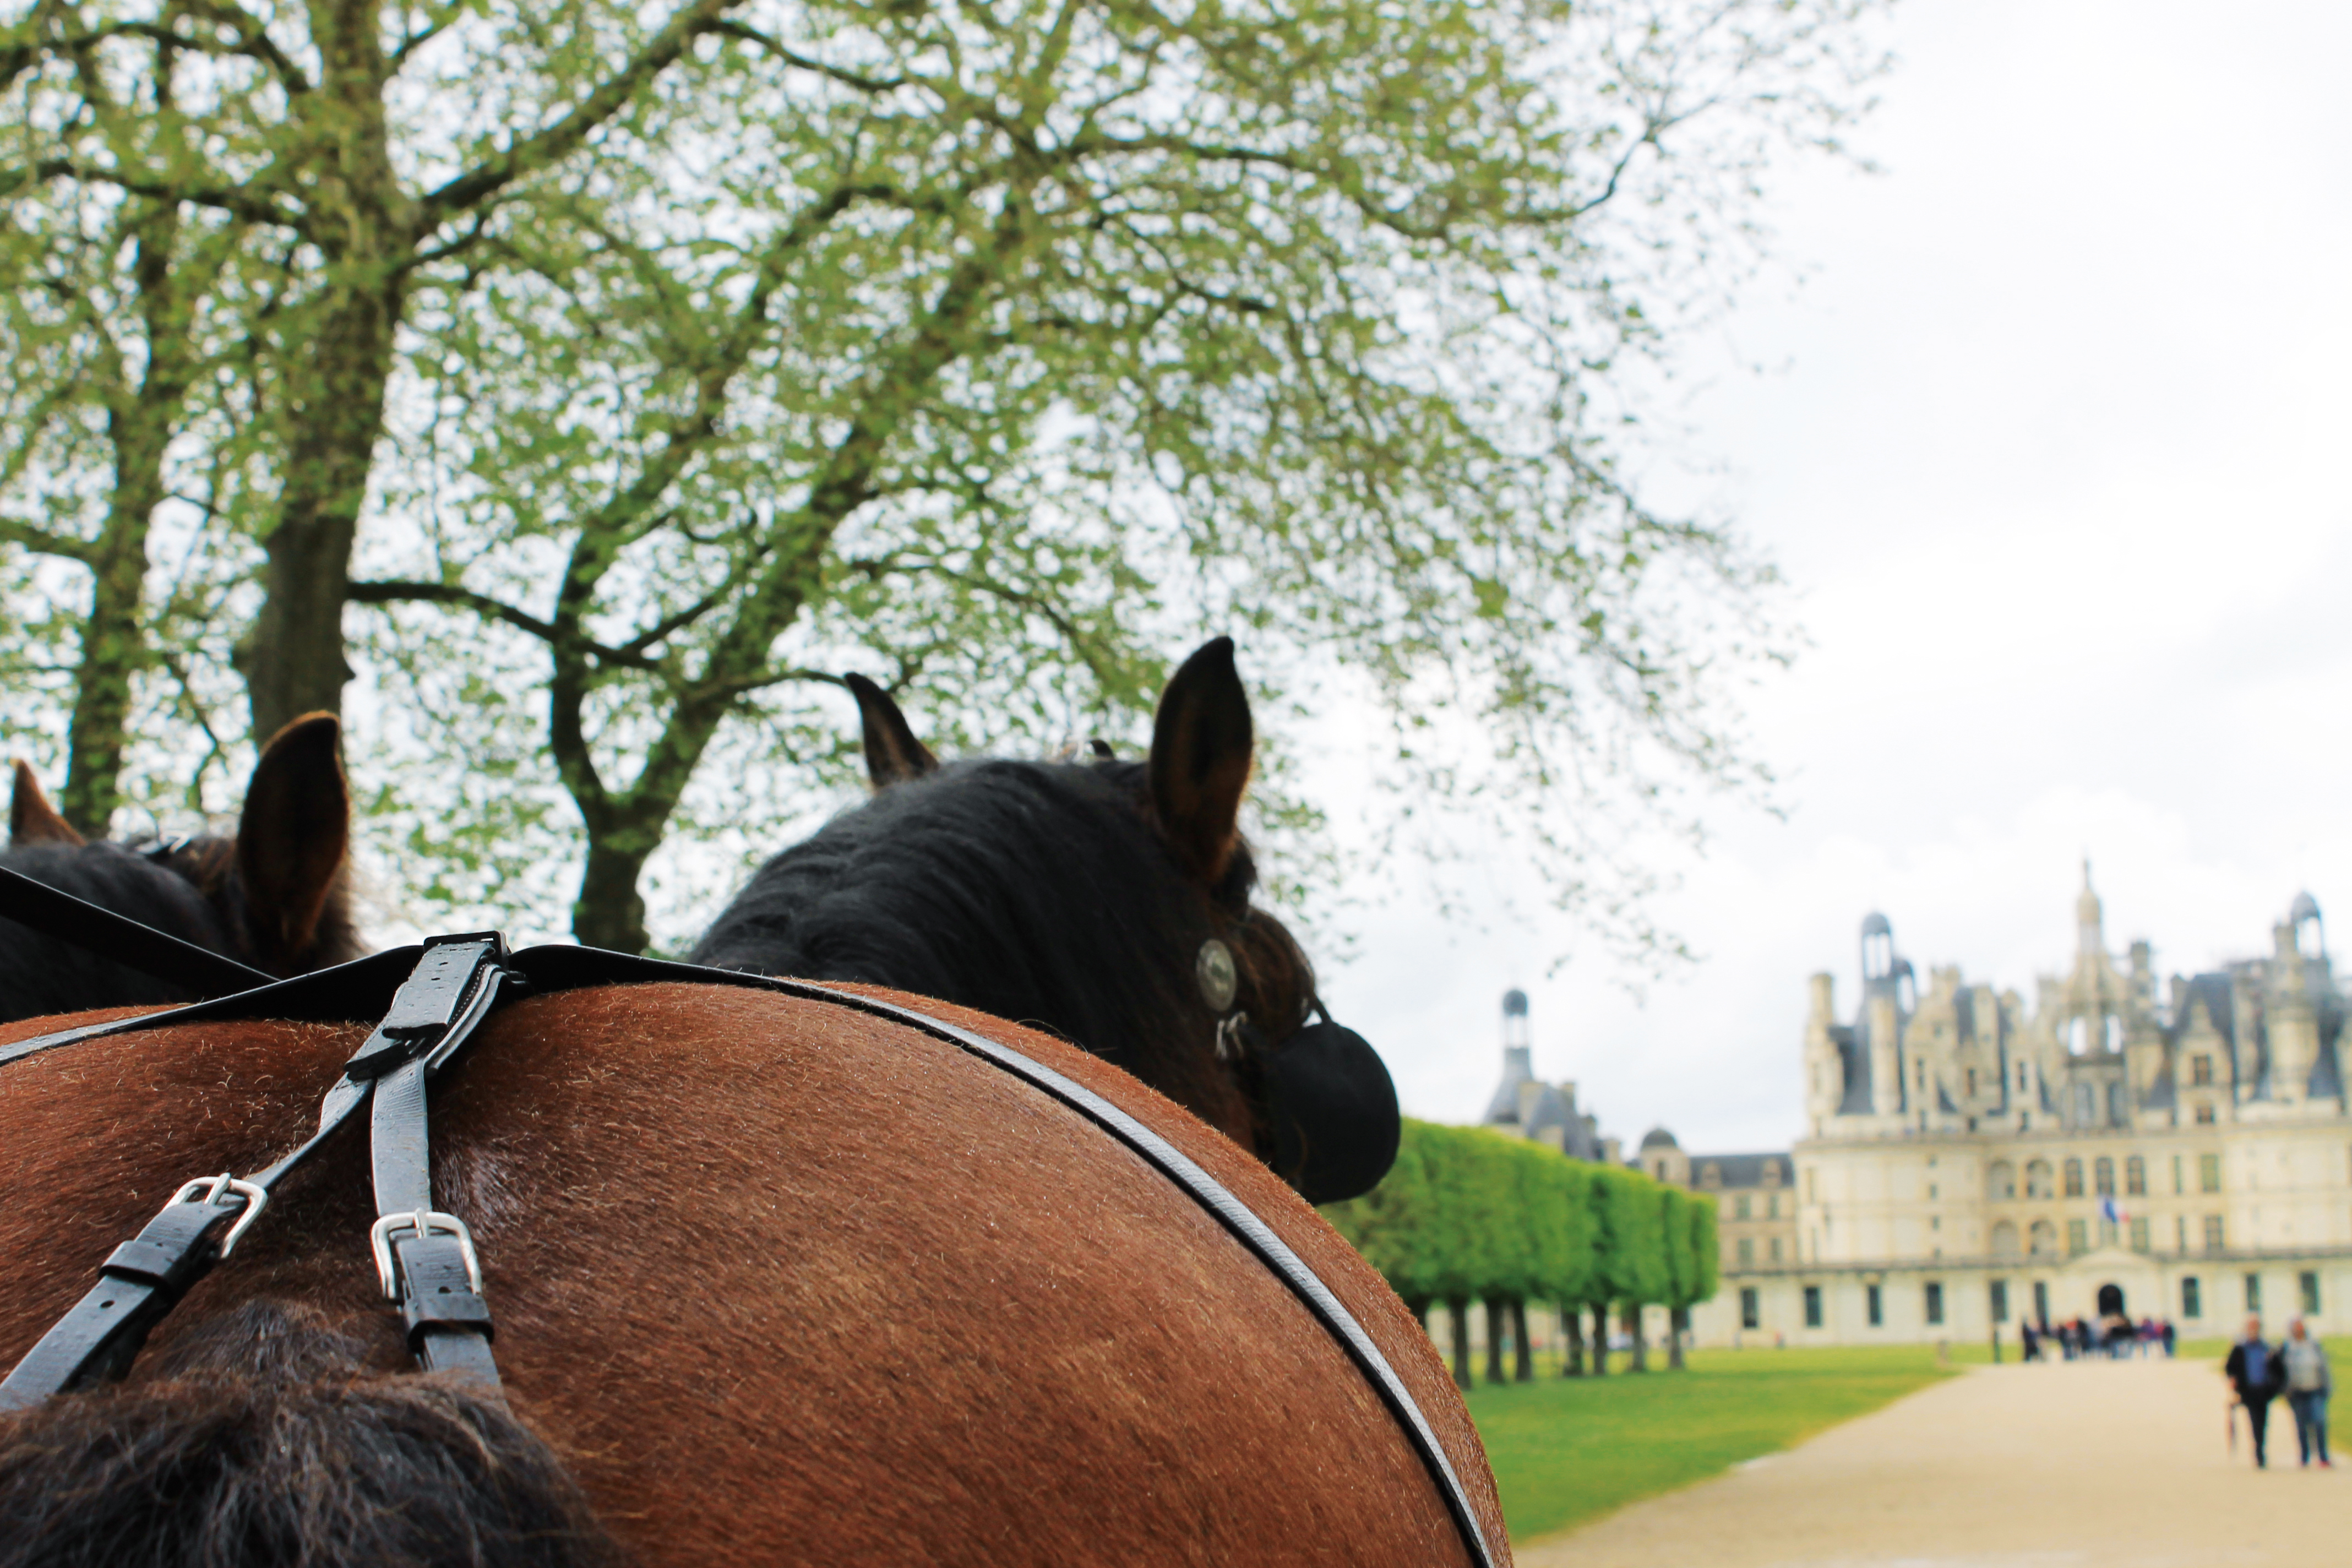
(2201, 1070)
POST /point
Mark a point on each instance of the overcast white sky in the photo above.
(2056, 459)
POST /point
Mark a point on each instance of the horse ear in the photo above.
(293, 836)
(893, 755)
(1201, 745)
(31, 818)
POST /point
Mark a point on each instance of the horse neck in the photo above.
(41, 974)
(1034, 892)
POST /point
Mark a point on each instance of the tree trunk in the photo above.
(1601, 1340)
(610, 913)
(1678, 1325)
(292, 660)
(1460, 1312)
(1641, 1361)
(336, 372)
(1571, 1328)
(1495, 1321)
(1524, 1371)
(114, 634)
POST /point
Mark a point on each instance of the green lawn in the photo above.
(1565, 1450)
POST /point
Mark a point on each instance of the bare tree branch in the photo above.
(485, 180)
(35, 538)
(798, 61)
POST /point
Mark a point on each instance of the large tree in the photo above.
(161, 152)
(640, 370)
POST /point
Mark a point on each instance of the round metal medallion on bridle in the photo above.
(1219, 980)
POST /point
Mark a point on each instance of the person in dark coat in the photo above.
(2256, 1373)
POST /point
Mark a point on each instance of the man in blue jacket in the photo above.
(2257, 1373)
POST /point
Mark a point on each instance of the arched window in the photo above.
(2044, 1238)
(2037, 1179)
(2136, 1176)
(2103, 1177)
(2004, 1240)
(2073, 1178)
(2000, 1181)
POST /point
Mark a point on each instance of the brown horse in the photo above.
(276, 896)
(776, 1280)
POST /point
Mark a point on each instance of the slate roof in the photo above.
(1743, 1170)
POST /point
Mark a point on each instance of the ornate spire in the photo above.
(2089, 920)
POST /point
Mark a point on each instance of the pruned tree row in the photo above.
(1468, 1216)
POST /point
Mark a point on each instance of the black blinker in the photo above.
(1333, 1109)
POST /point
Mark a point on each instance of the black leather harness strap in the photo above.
(567, 968)
(353, 993)
(39, 908)
(437, 1282)
(425, 1259)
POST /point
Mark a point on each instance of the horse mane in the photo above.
(1039, 892)
(39, 974)
(261, 1441)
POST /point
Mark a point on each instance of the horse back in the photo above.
(783, 1282)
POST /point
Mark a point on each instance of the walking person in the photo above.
(2308, 1383)
(2256, 1373)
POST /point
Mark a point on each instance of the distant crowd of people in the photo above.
(2113, 1335)
(2258, 1371)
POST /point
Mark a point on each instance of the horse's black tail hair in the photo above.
(270, 1448)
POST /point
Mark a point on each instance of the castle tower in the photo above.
(2090, 935)
(1518, 1064)
(2294, 1019)
(1825, 1062)
(1882, 1019)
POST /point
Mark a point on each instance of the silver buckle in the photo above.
(255, 1200)
(423, 1222)
(1229, 1036)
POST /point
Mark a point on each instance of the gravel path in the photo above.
(2087, 1464)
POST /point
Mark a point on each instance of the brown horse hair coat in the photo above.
(777, 1282)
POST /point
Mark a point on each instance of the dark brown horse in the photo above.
(776, 1281)
(275, 897)
(1106, 901)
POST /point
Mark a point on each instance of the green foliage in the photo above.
(1631, 1245)
(675, 358)
(1470, 1214)
(1706, 1252)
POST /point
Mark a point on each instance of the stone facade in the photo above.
(1970, 1160)
(1755, 1197)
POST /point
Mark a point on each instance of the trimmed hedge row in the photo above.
(1468, 1215)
